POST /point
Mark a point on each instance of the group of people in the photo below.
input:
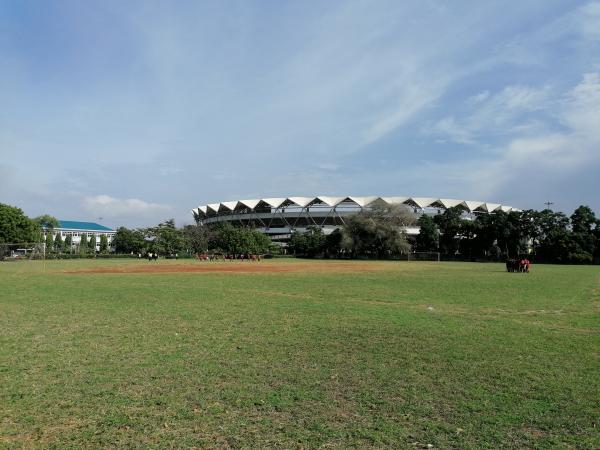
(518, 265)
(152, 256)
(228, 257)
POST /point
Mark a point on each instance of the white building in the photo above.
(78, 229)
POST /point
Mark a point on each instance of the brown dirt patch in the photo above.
(233, 267)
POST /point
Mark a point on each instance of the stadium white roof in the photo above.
(212, 209)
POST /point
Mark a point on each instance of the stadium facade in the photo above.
(278, 217)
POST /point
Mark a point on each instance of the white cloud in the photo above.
(328, 166)
(411, 102)
(521, 98)
(589, 17)
(537, 155)
(579, 112)
(487, 113)
(105, 205)
(448, 127)
(484, 95)
(582, 107)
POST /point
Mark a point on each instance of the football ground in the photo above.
(298, 354)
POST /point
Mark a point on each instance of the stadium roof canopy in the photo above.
(87, 226)
(215, 209)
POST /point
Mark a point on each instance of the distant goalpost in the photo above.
(424, 256)
(22, 251)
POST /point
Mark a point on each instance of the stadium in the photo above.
(278, 217)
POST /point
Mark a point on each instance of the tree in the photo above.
(310, 244)
(583, 225)
(15, 226)
(468, 233)
(44, 224)
(554, 239)
(58, 243)
(83, 247)
(236, 240)
(260, 243)
(166, 238)
(333, 242)
(376, 233)
(103, 244)
(429, 235)
(129, 241)
(68, 244)
(583, 220)
(597, 237)
(46, 221)
(49, 242)
(559, 246)
(449, 224)
(397, 215)
(197, 238)
(92, 244)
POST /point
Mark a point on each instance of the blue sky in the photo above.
(139, 111)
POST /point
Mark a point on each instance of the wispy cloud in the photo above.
(588, 17)
(486, 114)
(211, 102)
(541, 159)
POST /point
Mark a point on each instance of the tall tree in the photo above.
(583, 224)
(428, 238)
(83, 243)
(310, 244)
(46, 221)
(583, 220)
(449, 223)
(333, 243)
(197, 238)
(468, 232)
(92, 244)
(68, 244)
(49, 242)
(166, 238)
(236, 240)
(377, 233)
(103, 244)
(58, 243)
(129, 241)
(15, 226)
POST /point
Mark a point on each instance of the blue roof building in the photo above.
(85, 226)
(76, 230)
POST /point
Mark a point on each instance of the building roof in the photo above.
(215, 209)
(87, 226)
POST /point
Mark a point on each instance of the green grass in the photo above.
(300, 360)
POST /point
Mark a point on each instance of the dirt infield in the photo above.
(234, 267)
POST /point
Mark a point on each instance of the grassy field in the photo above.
(365, 355)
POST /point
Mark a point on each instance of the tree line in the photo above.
(167, 239)
(545, 236)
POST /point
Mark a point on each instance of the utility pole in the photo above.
(548, 204)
